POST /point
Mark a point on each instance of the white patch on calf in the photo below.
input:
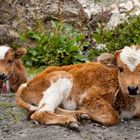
(130, 57)
(33, 108)
(57, 93)
(3, 51)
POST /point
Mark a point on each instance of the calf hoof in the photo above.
(74, 126)
(84, 117)
(35, 122)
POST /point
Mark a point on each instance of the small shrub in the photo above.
(61, 46)
(64, 45)
(125, 34)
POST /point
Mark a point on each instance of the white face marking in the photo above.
(3, 51)
(130, 57)
(58, 92)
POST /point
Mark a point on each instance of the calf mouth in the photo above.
(133, 91)
(5, 87)
(134, 94)
(4, 83)
(3, 77)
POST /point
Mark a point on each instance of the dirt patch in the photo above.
(14, 126)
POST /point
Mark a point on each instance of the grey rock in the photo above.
(18, 16)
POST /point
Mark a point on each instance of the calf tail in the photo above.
(20, 101)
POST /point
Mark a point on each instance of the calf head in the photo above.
(128, 63)
(7, 63)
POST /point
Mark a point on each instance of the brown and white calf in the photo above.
(12, 72)
(60, 95)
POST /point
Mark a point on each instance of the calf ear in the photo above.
(107, 59)
(20, 52)
(117, 54)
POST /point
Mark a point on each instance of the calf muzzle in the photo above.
(132, 90)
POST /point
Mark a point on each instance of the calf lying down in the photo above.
(61, 95)
(12, 73)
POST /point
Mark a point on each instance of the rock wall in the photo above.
(21, 15)
(17, 16)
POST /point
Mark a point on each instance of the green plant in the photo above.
(6, 104)
(11, 112)
(61, 46)
(64, 45)
(93, 53)
(124, 34)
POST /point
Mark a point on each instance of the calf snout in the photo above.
(132, 90)
(2, 76)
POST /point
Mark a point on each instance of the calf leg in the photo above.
(59, 110)
(101, 111)
(52, 98)
(65, 118)
(78, 114)
(53, 118)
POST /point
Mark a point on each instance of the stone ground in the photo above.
(14, 126)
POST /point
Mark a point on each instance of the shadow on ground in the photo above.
(14, 126)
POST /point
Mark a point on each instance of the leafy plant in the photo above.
(64, 45)
(125, 34)
(93, 53)
(61, 46)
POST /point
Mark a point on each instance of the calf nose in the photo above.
(132, 90)
(2, 76)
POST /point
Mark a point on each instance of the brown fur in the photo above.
(95, 92)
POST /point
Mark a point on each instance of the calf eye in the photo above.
(121, 69)
(10, 61)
